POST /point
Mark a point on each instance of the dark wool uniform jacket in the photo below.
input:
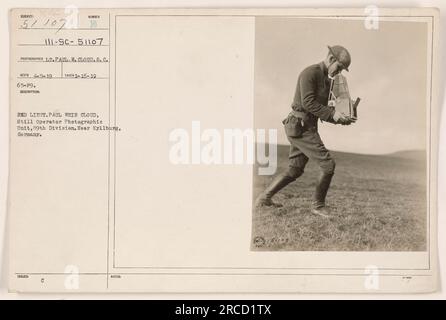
(311, 97)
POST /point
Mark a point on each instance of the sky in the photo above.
(388, 72)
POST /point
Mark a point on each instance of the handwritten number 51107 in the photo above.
(57, 24)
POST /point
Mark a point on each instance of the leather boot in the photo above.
(318, 205)
(278, 183)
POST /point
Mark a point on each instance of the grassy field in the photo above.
(378, 203)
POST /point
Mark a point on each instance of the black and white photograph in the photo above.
(223, 150)
(350, 102)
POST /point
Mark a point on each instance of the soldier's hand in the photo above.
(349, 121)
(340, 118)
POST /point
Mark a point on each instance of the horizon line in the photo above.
(360, 153)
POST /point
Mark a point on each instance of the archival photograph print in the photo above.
(350, 102)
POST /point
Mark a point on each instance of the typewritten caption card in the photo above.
(198, 150)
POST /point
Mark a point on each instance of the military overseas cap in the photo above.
(342, 55)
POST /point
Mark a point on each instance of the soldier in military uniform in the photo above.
(301, 126)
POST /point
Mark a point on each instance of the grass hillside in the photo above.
(378, 203)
